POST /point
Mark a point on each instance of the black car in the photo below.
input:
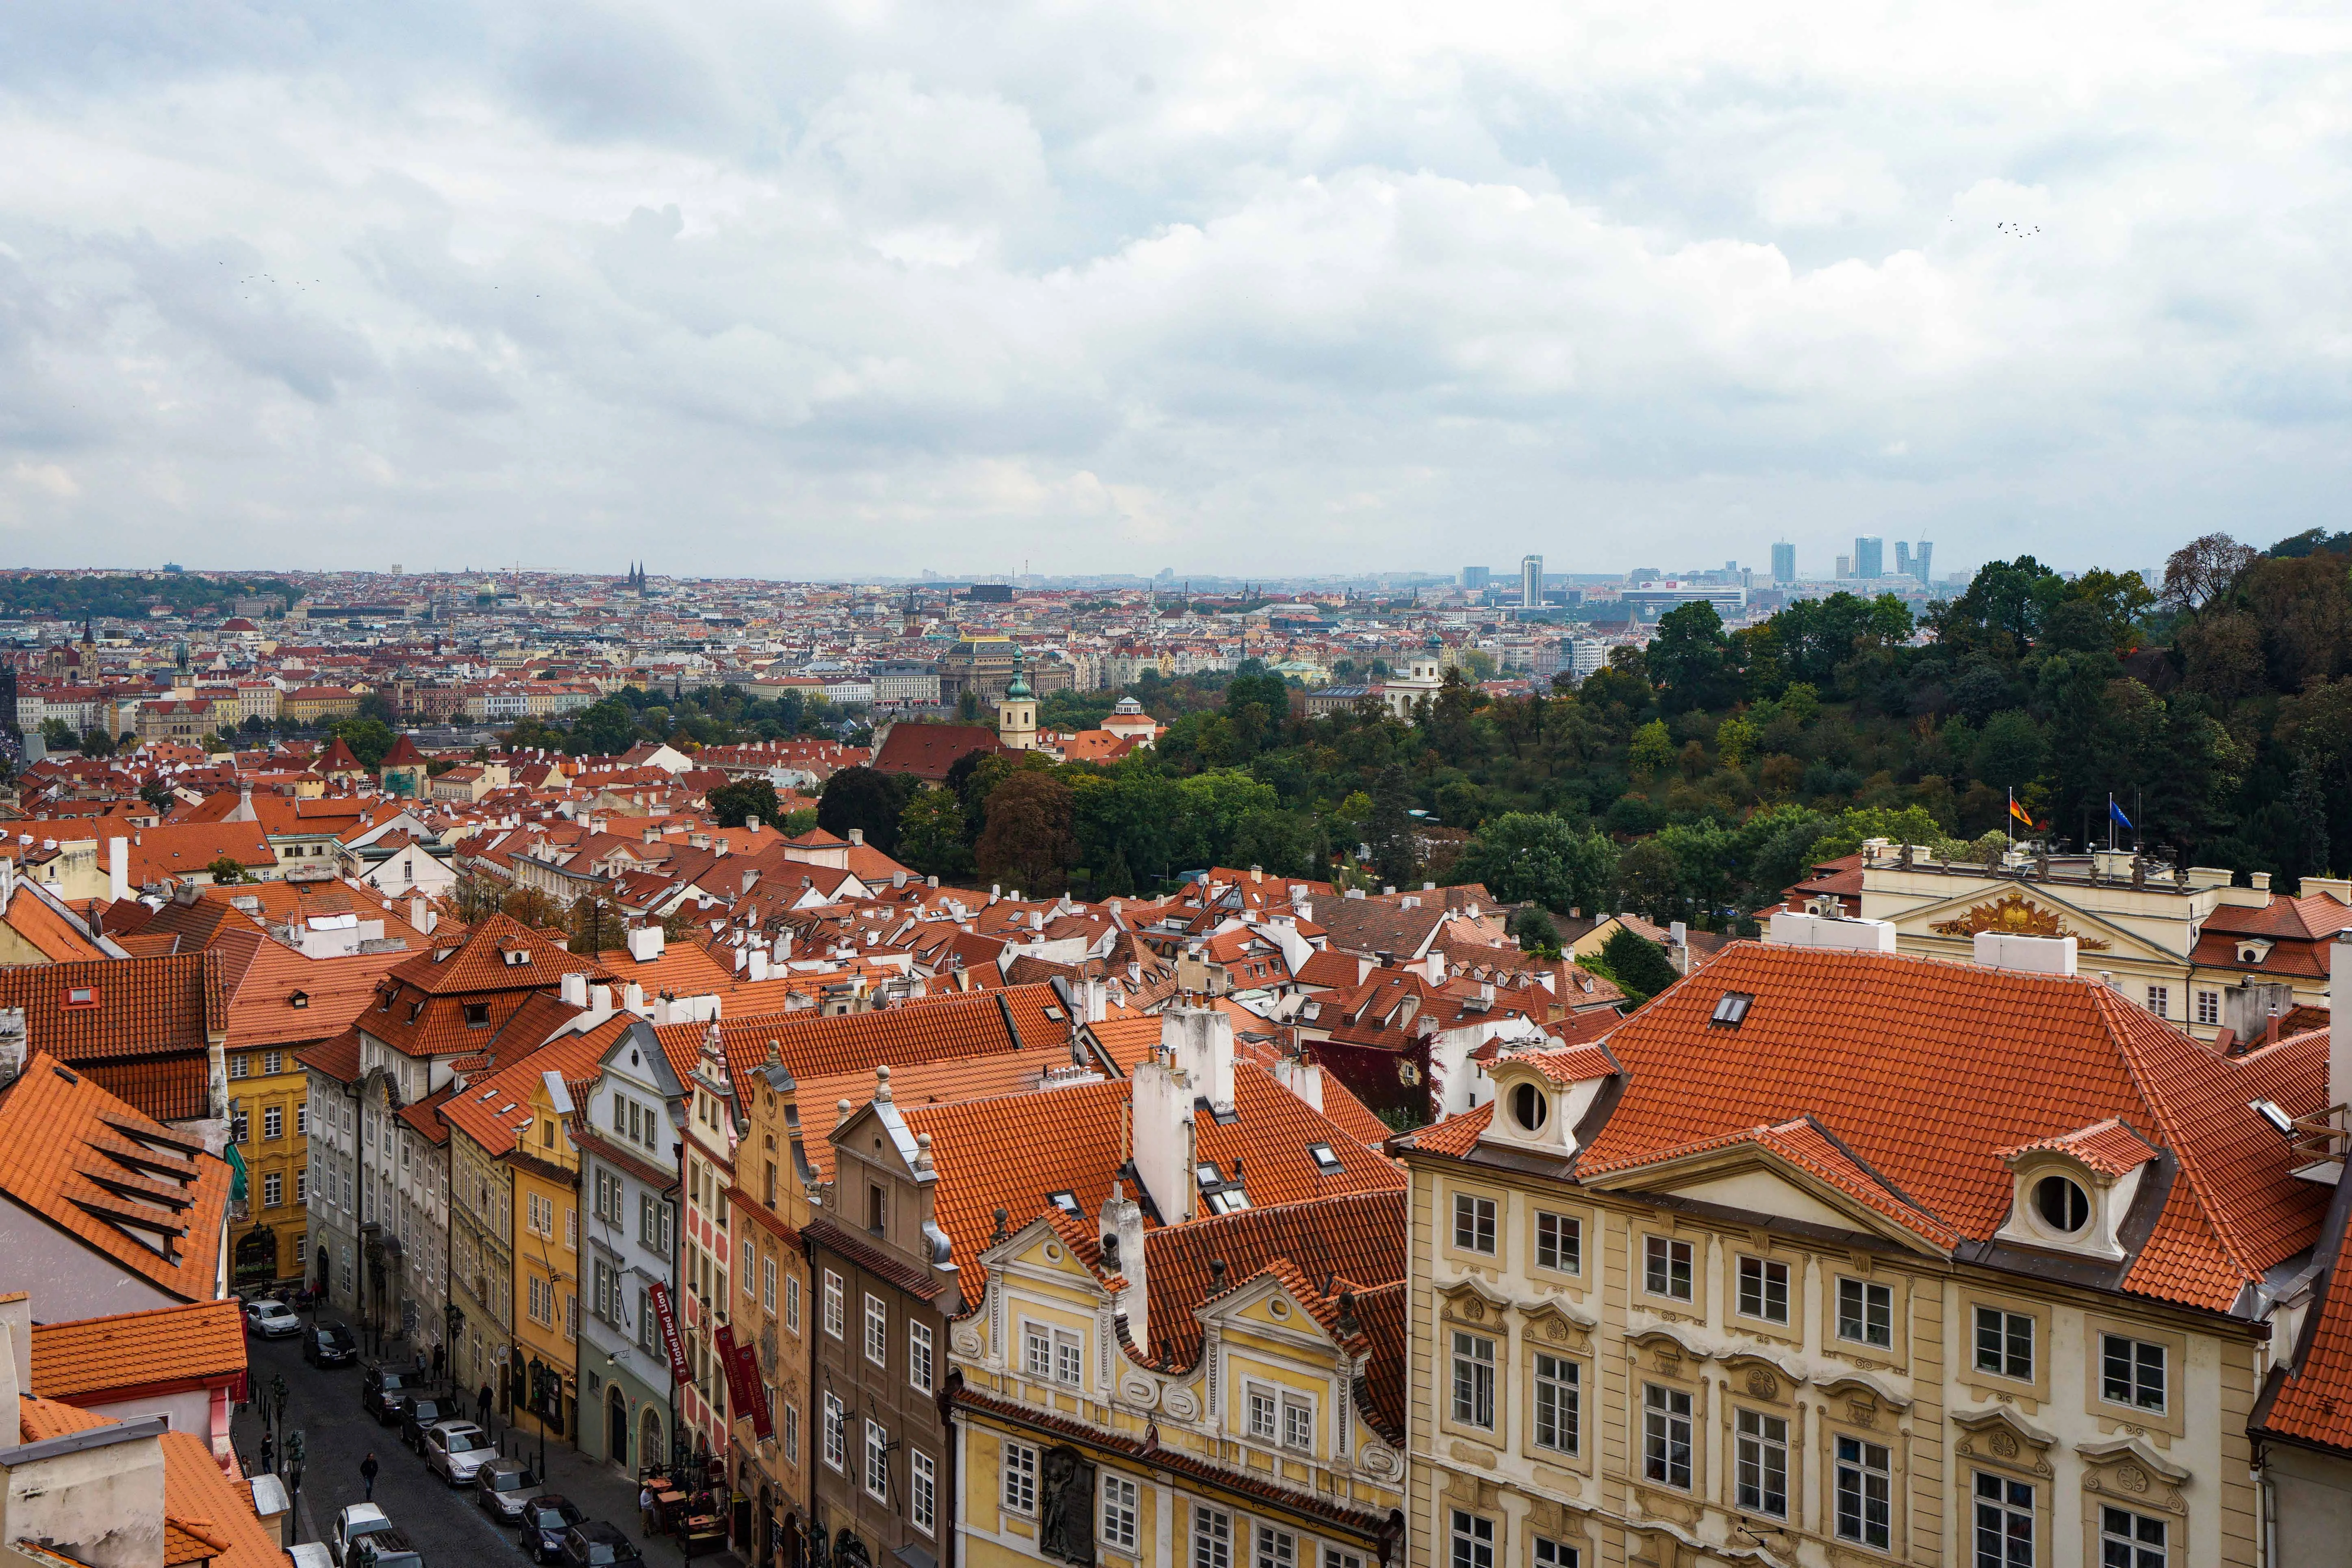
(546, 1520)
(504, 1489)
(386, 1549)
(387, 1393)
(596, 1544)
(420, 1413)
(330, 1345)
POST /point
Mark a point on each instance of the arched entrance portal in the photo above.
(616, 1428)
(649, 1443)
(257, 1255)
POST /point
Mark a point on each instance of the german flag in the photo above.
(2023, 815)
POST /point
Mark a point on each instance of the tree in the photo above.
(225, 871)
(370, 740)
(1533, 929)
(930, 833)
(532, 908)
(378, 706)
(1390, 829)
(1028, 842)
(597, 925)
(733, 804)
(1638, 965)
(1537, 857)
(2202, 571)
(1650, 879)
(602, 728)
(1688, 658)
(863, 799)
(59, 736)
(2011, 752)
(1653, 750)
(99, 743)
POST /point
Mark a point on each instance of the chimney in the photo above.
(16, 1347)
(2339, 1014)
(2252, 1006)
(118, 870)
(1123, 1246)
(750, 823)
(15, 1045)
(574, 990)
(645, 943)
(1434, 967)
(2029, 954)
(633, 998)
(857, 836)
(758, 968)
(600, 1001)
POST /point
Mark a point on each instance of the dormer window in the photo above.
(477, 1015)
(2074, 1192)
(1325, 1162)
(1530, 1108)
(2253, 951)
(2062, 1204)
(1731, 1010)
(81, 996)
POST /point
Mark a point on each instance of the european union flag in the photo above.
(2117, 811)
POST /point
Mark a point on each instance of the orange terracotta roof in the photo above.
(197, 1494)
(478, 963)
(191, 1343)
(34, 918)
(2108, 1147)
(116, 1181)
(169, 1089)
(262, 1010)
(39, 1420)
(139, 1007)
(897, 1036)
(1358, 1238)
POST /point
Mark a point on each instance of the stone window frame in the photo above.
(1562, 1520)
(1547, 1330)
(1998, 1441)
(2173, 1423)
(1638, 1269)
(1498, 1259)
(1469, 1306)
(2127, 1473)
(1987, 1383)
(1858, 1407)
(1586, 1230)
(1896, 1357)
(1661, 1358)
(1790, 1330)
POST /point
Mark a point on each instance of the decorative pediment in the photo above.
(2015, 914)
(1669, 1341)
(1762, 1376)
(1473, 1300)
(1557, 1323)
(1851, 1385)
(1997, 1434)
(1753, 1177)
(2128, 1470)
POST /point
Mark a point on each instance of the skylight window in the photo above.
(1325, 1162)
(81, 996)
(1732, 1011)
(1209, 1174)
(1230, 1201)
(1066, 1201)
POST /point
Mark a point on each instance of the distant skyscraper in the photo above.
(1784, 564)
(1902, 559)
(1869, 557)
(1531, 581)
(1475, 577)
(1921, 555)
(1844, 567)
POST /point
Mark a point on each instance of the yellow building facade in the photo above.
(269, 1118)
(545, 1310)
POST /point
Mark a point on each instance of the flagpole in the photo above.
(2111, 822)
(2009, 820)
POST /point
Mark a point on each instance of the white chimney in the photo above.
(16, 1044)
(1200, 1040)
(1160, 1112)
(16, 1347)
(1435, 966)
(1792, 929)
(857, 836)
(2027, 955)
(645, 943)
(2339, 1019)
(600, 1001)
(1301, 1077)
(574, 990)
(633, 998)
(1122, 1237)
(118, 870)
(759, 969)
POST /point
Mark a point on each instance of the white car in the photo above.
(272, 1320)
(360, 1518)
(457, 1451)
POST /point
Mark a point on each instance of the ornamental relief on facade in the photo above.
(2014, 914)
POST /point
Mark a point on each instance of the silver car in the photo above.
(457, 1451)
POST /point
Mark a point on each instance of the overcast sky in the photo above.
(800, 291)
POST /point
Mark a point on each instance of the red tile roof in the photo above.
(2107, 1147)
(137, 1007)
(89, 1358)
(895, 1036)
(1358, 1238)
(262, 1009)
(928, 751)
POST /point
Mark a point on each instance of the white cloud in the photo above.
(824, 289)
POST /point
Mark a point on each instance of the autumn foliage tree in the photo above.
(1029, 842)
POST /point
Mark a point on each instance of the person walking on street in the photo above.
(482, 1408)
(367, 1473)
(440, 1358)
(646, 1509)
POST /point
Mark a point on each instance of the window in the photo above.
(918, 1355)
(1666, 1435)
(793, 1304)
(273, 1123)
(1666, 1268)
(477, 1015)
(2159, 1001)
(1261, 1415)
(273, 1190)
(238, 1066)
(1558, 1383)
(2128, 1540)
(301, 1184)
(603, 1288)
(1020, 1478)
(541, 1212)
(792, 1429)
(1764, 1289)
(1530, 1107)
(571, 1317)
(542, 1308)
(1120, 1503)
(1559, 1243)
(1473, 1224)
(1276, 1547)
(2005, 1343)
(832, 1308)
(1472, 1540)
(302, 1119)
(836, 1440)
(1731, 1010)
(1556, 1554)
(1866, 1493)
(1762, 1463)
(1866, 1313)
(1037, 1350)
(2062, 1205)
(878, 1331)
(751, 1286)
(2209, 1006)
(272, 1063)
(1212, 1538)
(1297, 1424)
(877, 1462)
(877, 1207)
(645, 1326)
(1335, 1558)
(1327, 1163)
(2131, 1372)
(2004, 1522)
(924, 1504)
(768, 1285)
(1473, 1379)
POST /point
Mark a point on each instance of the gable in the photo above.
(1768, 1192)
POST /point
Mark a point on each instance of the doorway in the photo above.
(616, 1429)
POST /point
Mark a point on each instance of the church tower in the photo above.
(1017, 716)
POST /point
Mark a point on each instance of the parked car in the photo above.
(311, 1555)
(270, 1320)
(386, 1393)
(546, 1520)
(424, 1412)
(597, 1544)
(507, 1489)
(330, 1345)
(386, 1549)
(361, 1519)
(457, 1451)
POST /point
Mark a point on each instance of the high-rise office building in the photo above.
(1902, 558)
(1475, 577)
(1531, 581)
(1869, 557)
(1921, 554)
(1784, 564)
(1844, 567)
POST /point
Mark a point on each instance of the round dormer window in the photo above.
(1530, 1107)
(2062, 1204)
